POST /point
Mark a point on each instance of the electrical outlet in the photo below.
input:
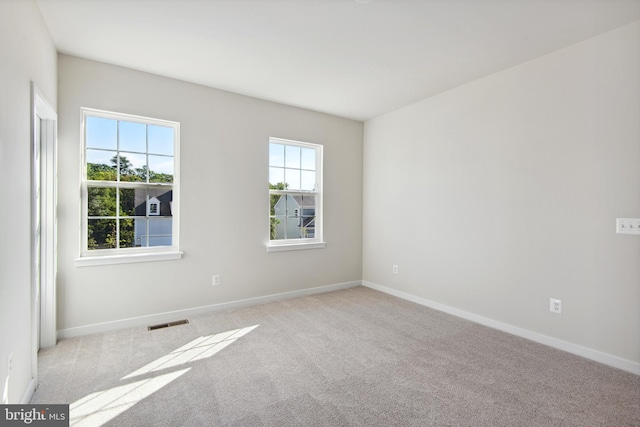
(555, 306)
(395, 269)
(628, 225)
(10, 364)
(215, 280)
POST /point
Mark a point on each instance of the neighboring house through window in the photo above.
(295, 194)
(129, 184)
(300, 224)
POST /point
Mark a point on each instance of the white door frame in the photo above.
(43, 279)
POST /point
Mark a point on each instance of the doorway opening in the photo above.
(44, 225)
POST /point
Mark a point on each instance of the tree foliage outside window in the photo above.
(273, 199)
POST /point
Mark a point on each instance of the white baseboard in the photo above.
(598, 356)
(28, 393)
(190, 312)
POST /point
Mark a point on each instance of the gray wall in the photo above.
(26, 54)
(497, 195)
(491, 197)
(224, 200)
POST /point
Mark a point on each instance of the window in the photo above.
(153, 206)
(129, 185)
(295, 195)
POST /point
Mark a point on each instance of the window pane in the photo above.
(140, 232)
(294, 230)
(140, 202)
(160, 169)
(276, 155)
(292, 178)
(276, 178)
(307, 227)
(292, 156)
(133, 167)
(160, 231)
(291, 227)
(133, 137)
(160, 140)
(293, 205)
(127, 201)
(276, 204)
(308, 204)
(278, 228)
(101, 165)
(308, 159)
(127, 233)
(101, 234)
(307, 180)
(102, 133)
(101, 201)
(273, 224)
(164, 198)
(292, 217)
(282, 206)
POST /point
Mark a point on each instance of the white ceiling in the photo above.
(352, 58)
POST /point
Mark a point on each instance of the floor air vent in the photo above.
(166, 325)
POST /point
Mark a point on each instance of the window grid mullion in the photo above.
(118, 150)
(117, 186)
(146, 157)
(127, 184)
(286, 215)
(117, 218)
(146, 222)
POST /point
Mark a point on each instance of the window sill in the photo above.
(295, 246)
(127, 258)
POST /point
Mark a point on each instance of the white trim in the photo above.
(190, 312)
(127, 258)
(294, 246)
(318, 192)
(588, 353)
(28, 393)
(43, 241)
(302, 144)
(84, 184)
(128, 117)
(49, 226)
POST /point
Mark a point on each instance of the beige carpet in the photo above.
(356, 357)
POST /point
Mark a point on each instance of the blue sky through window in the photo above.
(294, 165)
(105, 136)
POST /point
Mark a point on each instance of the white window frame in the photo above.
(136, 254)
(317, 242)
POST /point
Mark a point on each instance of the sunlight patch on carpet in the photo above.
(96, 409)
(100, 407)
(198, 349)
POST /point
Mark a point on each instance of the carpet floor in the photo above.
(355, 357)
